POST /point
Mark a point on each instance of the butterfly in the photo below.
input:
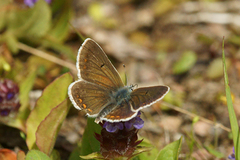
(100, 92)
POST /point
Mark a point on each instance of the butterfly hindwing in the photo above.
(89, 97)
(95, 67)
(139, 99)
(144, 97)
(122, 112)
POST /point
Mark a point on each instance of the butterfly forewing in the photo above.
(143, 97)
(89, 97)
(95, 67)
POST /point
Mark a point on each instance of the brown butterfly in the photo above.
(100, 91)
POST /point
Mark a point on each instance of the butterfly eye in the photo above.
(133, 86)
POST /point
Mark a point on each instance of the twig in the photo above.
(217, 125)
(46, 56)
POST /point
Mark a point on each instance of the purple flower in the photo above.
(9, 100)
(135, 122)
(232, 156)
(113, 127)
(119, 139)
(31, 3)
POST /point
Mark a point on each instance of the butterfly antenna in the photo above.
(125, 80)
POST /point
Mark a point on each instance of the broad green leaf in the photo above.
(89, 143)
(185, 63)
(215, 69)
(171, 151)
(232, 115)
(36, 155)
(52, 95)
(33, 22)
(48, 129)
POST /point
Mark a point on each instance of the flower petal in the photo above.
(139, 123)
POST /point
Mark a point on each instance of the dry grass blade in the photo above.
(217, 125)
(46, 56)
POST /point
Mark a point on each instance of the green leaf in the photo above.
(32, 22)
(62, 10)
(89, 143)
(55, 155)
(53, 95)
(185, 63)
(36, 155)
(146, 150)
(232, 115)
(214, 152)
(11, 41)
(3, 14)
(94, 155)
(48, 129)
(171, 151)
(25, 87)
(215, 69)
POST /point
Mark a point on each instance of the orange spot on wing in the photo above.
(80, 100)
(112, 116)
(84, 67)
(89, 110)
(85, 60)
(84, 106)
(117, 116)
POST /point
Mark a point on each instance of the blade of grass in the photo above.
(232, 115)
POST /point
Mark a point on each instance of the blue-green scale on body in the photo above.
(122, 94)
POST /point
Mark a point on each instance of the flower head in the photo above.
(8, 97)
(31, 3)
(119, 139)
